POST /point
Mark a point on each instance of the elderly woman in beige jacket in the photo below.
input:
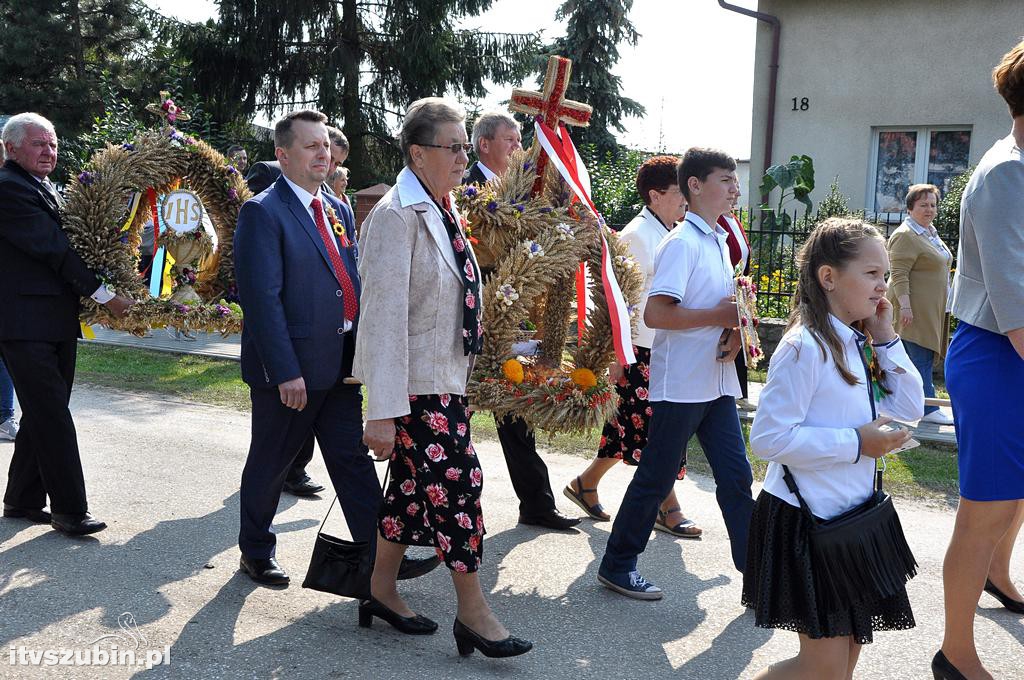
(419, 330)
(919, 264)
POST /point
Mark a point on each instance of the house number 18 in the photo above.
(801, 104)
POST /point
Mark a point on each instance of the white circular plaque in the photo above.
(181, 211)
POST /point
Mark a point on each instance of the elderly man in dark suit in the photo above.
(43, 279)
(295, 263)
(495, 137)
(261, 176)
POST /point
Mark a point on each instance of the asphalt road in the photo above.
(164, 475)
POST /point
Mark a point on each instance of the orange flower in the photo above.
(584, 377)
(513, 371)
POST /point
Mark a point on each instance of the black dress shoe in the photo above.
(76, 525)
(551, 520)
(466, 640)
(942, 669)
(1015, 606)
(416, 567)
(410, 625)
(266, 571)
(303, 487)
(39, 516)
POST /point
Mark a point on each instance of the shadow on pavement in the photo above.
(52, 577)
(586, 632)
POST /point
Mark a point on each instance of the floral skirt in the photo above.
(625, 436)
(433, 496)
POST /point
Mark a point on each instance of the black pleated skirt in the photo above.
(778, 582)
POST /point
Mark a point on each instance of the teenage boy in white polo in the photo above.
(693, 378)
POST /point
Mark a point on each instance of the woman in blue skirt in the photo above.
(985, 379)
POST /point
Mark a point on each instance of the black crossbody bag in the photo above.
(339, 566)
(863, 553)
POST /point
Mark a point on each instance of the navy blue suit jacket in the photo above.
(292, 302)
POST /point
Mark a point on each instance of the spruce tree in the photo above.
(594, 31)
(361, 62)
(57, 53)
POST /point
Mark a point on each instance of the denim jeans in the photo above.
(6, 393)
(923, 360)
(717, 427)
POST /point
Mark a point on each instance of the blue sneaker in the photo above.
(631, 585)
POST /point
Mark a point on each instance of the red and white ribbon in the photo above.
(562, 153)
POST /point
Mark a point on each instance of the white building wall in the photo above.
(865, 63)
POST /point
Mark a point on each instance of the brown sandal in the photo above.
(685, 529)
(595, 512)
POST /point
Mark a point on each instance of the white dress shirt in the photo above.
(488, 173)
(807, 417)
(306, 199)
(642, 235)
(692, 265)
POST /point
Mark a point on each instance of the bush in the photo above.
(613, 182)
(947, 222)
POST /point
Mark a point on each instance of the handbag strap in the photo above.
(384, 490)
(787, 477)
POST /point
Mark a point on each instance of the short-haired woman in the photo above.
(419, 329)
(919, 262)
(626, 435)
(984, 375)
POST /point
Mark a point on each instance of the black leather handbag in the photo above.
(861, 554)
(339, 566)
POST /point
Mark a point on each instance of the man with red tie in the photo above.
(298, 283)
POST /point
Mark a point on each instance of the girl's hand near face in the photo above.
(879, 324)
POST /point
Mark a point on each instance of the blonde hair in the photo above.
(835, 242)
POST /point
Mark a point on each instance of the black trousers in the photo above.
(527, 471)
(335, 416)
(46, 461)
(741, 373)
(297, 473)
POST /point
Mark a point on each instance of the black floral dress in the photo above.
(433, 496)
(625, 435)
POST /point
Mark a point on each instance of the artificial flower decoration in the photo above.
(507, 294)
(584, 377)
(513, 371)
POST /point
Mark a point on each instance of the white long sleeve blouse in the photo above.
(807, 417)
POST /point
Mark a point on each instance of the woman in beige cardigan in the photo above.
(419, 329)
(919, 264)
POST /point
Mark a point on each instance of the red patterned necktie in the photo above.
(348, 291)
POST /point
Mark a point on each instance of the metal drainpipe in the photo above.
(773, 77)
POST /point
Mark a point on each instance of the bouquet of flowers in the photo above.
(746, 308)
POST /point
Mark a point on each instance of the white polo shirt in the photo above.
(692, 266)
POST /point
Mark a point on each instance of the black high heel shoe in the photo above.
(466, 640)
(1013, 605)
(942, 669)
(410, 625)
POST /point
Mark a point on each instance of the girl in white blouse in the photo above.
(837, 377)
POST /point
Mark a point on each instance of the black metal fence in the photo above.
(774, 244)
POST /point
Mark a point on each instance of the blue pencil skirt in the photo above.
(985, 379)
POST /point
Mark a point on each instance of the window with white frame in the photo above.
(904, 156)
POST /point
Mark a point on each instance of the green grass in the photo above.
(925, 472)
(195, 378)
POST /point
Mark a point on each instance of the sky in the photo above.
(692, 68)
